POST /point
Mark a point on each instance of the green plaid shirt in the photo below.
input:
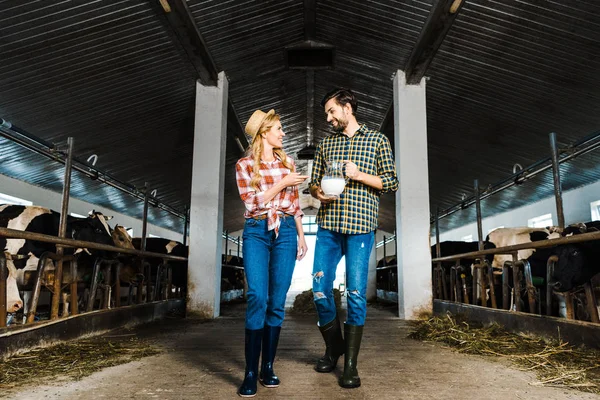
(358, 206)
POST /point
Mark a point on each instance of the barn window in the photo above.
(130, 232)
(468, 238)
(6, 199)
(540, 222)
(153, 236)
(595, 206)
(309, 224)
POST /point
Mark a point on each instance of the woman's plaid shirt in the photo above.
(286, 201)
(357, 208)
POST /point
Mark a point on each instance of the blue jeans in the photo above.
(269, 264)
(330, 248)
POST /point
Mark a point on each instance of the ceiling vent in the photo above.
(310, 55)
(307, 153)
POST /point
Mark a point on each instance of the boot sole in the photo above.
(324, 371)
(246, 395)
(269, 386)
(350, 386)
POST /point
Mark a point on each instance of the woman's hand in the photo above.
(293, 179)
(302, 248)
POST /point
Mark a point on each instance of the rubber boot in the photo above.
(350, 378)
(253, 344)
(269, 348)
(334, 346)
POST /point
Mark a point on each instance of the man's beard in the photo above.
(341, 125)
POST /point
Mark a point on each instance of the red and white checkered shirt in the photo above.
(286, 201)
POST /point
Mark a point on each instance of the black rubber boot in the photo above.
(253, 344)
(350, 378)
(269, 348)
(334, 346)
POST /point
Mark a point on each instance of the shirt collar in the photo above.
(362, 129)
(277, 158)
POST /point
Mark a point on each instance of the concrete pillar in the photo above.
(412, 198)
(372, 277)
(206, 208)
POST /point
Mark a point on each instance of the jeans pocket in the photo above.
(250, 222)
(287, 221)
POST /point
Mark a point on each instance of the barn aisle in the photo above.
(204, 360)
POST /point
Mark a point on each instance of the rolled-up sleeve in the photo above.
(386, 167)
(317, 168)
(298, 213)
(296, 194)
(251, 199)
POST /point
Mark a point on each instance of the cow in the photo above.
(387, 275)
(503, 237)
(171, 247)
(577, 264)
(23, 255)
(232, 273)
(121, 238)
(449, 248)
(581, 227)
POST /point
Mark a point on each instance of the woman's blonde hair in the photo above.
(256, 148)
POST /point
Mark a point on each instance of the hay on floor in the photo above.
(73, 360)
(304, 304)
(555, 363)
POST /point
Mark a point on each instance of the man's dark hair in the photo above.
(342, 97)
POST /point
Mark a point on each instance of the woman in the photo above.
(273, 240)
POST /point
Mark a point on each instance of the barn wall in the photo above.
(50, 199)
(576, 204)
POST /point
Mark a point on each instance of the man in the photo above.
(347, 226)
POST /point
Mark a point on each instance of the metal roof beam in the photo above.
(438, 23)
(183, 25)
(440, 20)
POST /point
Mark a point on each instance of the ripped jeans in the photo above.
(330, 248)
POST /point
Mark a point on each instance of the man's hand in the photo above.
(352, 171)
(318, 194)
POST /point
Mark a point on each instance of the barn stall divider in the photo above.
(53, 152)
(454, 290)
(162, 293)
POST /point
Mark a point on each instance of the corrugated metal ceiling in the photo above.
(112, 75)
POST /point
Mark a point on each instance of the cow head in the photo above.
(13, 299)
(570, 270)
(122, 238)
(94, 228)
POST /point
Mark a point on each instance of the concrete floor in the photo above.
(204, 360)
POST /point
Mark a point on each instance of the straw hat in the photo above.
(256, 120)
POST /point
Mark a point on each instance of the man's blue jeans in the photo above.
(269, 264)
(330, 248)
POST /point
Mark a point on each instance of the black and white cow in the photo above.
(577, 263)
(171, 247)
(232, 273)
(503, 237)
(24, 254)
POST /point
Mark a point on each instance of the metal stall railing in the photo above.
(483, 267)
(17, 234)
(51, 151)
